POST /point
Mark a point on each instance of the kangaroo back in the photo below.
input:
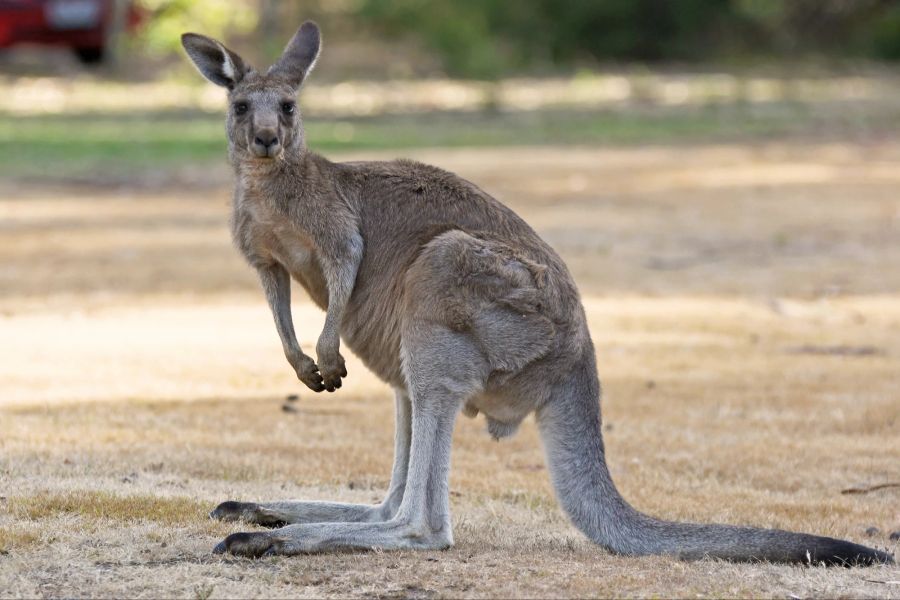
(570, 427)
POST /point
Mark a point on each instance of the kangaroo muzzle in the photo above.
(265, 144)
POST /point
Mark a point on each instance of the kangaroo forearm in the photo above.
(329, 339)
(340, 275)
(339, 267)
(276, 283)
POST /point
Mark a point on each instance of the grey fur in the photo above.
(452, 299)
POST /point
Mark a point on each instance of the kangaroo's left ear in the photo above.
(299, 57)
(214, 61)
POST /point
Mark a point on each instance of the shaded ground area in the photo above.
(744, 300)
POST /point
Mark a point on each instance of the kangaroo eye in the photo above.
(287, 108)
(241, 108)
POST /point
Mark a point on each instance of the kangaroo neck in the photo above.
(291, 171)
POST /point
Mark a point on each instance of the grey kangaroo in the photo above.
(453, 300)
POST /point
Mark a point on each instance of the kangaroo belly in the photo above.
(371, 329)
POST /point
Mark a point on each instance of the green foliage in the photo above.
(486, 38)
(170, 18)
(886, 35)
(459, 31)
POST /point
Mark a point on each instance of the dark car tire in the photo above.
(90, 56)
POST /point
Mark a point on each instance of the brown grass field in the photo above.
(745, 304)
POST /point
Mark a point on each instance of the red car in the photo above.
(85, 26)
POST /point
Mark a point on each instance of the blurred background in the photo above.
(411, 74)
(720, 176)
(743, 150)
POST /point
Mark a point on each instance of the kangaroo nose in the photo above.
(266, 140)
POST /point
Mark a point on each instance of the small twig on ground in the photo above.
(871, 488)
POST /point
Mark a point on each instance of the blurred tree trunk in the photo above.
(268, 34)
(118, 20)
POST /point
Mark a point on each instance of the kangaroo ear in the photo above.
(299, 57)
(214, 61)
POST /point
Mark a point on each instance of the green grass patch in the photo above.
(118, 146)
(65, 146)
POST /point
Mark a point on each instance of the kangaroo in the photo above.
(451, 298)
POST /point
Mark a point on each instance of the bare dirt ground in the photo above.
(745, 303)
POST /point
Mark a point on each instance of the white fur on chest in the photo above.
(293, 249)
(276, 237)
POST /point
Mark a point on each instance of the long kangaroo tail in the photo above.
(570, 428)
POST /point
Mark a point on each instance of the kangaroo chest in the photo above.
(295, 251)
(263, 234)
(370, 324)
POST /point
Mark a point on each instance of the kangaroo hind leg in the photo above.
(278, 514)
(470, 309)
(443, 368)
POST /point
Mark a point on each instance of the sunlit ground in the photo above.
(745, 304)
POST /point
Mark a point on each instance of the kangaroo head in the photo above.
(263, 120)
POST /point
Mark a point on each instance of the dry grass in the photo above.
(726, 288)
(106, 507)
(15, 538)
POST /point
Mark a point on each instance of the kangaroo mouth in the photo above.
(263, 153)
